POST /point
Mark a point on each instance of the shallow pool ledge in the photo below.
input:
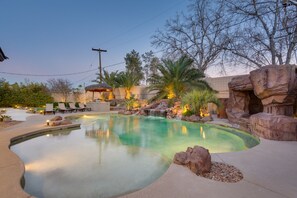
(12, 167)
(25, 136)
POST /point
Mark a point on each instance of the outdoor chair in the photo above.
(62, 108)
(73, 107)
(49, 108)
(83, 107)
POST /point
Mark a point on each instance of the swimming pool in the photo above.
(113, 154)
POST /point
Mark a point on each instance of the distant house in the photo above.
(2, 55)
(220, 84)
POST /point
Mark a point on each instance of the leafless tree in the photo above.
(150, 64)
(199, 34)
(263, 32)
(77, 93)
(60, 86)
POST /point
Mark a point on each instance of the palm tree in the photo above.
(175, 78)
(112, 80)
(127, 80)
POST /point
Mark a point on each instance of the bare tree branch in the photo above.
(268, 34)
(199, 34)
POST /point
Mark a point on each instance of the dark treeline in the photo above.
(28, 94)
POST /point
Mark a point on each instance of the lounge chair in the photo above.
(62, 108)
(73, 107)
(49, 108)
(81, 105)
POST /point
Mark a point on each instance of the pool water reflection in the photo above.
(112, 154)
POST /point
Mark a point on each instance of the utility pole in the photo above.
(100, 67)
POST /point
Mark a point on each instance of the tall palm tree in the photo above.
(127, 80)
(175, 78)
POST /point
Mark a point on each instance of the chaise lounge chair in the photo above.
(62, 108)
(49, 108)
(83, 107)
(74, 108)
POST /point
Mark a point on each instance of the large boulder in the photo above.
(55, 123)
(66, 122)
(241, 83)
(274, 127)
(197, 159)
(276, 86)
(56, 118)
(274, 80)
(181, 158)
(264, 102)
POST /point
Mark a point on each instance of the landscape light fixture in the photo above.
(100, 67)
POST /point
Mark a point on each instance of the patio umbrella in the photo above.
(100, 87)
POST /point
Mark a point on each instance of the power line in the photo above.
(114, 65)
(28, 74)
(84, 78)
(50, 75)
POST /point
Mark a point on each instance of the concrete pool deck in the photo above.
(269, 169)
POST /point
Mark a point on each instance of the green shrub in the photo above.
(131, 103)
(198, 100)
(188, 113)
(2, 117)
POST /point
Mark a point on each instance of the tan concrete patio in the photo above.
(269, 169)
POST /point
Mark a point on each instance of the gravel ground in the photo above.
(223, 173)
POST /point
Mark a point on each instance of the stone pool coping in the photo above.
(269, 170)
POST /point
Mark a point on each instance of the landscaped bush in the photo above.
(197, 101)
(188, 113)
(131, 103)
(5, 118)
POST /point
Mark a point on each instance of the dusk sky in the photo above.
(56, 36)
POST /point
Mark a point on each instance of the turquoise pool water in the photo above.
(113, 155)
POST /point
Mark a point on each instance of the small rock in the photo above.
(206, 119)
(192, 118)
(128, 113)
